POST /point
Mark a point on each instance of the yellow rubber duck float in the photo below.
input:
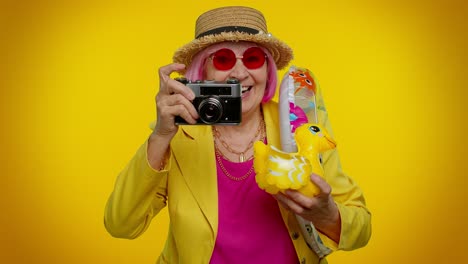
(277, 171)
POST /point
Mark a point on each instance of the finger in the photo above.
(177, 103)
(301, 199)
(289, 204)
(187, 110)
(170, 112)
(179, 88)
(165, 72)
(324, 187)
(170, 68)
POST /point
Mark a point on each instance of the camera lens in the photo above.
(210, 110)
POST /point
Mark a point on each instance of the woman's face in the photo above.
(253, 81)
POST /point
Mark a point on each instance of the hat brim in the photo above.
(282, 53)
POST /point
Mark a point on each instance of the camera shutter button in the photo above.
(182, 80)
(232, 81)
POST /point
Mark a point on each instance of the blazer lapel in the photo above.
(194, 153)
(270, 114)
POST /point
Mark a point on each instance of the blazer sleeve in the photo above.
(140, 192)
(355, 217)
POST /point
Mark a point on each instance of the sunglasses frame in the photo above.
(216, 66)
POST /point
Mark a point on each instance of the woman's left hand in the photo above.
(321, 209)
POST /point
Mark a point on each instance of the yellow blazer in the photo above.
(188, 186)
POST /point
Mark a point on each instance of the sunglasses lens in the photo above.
(224, 59)
(254, 58)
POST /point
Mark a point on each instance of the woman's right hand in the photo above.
(173, 99)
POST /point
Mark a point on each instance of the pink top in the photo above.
(250, 229)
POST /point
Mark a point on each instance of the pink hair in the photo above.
(195, 71)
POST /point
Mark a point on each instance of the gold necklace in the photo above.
(226, 157)
(241, 154)
(262, 138)
(225, 171)
(218, 154)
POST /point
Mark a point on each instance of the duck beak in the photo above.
(330, 141)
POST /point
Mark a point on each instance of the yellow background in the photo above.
(78, 81)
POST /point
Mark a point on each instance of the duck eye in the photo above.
(314, 129)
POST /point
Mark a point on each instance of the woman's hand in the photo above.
(173, 99)
(321, 209)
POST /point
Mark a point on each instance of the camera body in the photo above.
(217, 103)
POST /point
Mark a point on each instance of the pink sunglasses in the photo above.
(225, 59)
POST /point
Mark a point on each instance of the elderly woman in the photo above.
(205, 175)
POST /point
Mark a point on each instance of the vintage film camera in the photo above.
(217, 103)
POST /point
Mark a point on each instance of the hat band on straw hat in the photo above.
(229, 29)
(233, 23)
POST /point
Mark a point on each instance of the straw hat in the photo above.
(233, 23)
